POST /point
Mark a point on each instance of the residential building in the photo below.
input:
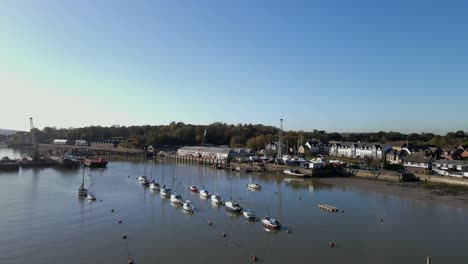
(418, 162)
(457, 168)
(395, 156)
(345, 149)
(313, 147)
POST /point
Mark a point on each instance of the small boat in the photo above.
(193, 188)
(142, 178)
(205, 193)
(187, 206)
(154, 186)
(249, 215)
(216, 199)
(294, 172)
(91, 197)
(233, 206)
(271, 223)
(254, 186)
(97, 163)
(165, 192)
(145, 182)
(176, 198)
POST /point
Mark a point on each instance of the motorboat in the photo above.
(145, 182)
(91, 197)
(254, 186)
(165, 192)
(193, 188)
(176, 198)
(233, 206)
(187, 206)
(97, 163)
(216, 199)
(155, 186)
(294, 172)
(271, 223)
(205, 193)
(249, 215)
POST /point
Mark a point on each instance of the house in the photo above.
(395, 156)
(273, 146)
(455, 154)
(313, 147)
(105, 144)
(436, 152)
(345, 149)
(324, 148)
(464, 148)
(457, 168)
(418, 162)
(301, 150)
(397, 145)
(209, 152)
(81, 142)
(364, 150)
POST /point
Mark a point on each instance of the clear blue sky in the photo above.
(334, 65)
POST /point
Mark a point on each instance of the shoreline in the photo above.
(436, 193)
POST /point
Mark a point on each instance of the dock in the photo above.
(328, 208)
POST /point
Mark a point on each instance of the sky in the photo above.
(340, 65)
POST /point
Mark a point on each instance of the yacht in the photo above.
(233, 206)
(216, 199)
(91, 197)
(187, 206)
(165, 192)
(204, 193)
(271, 223)
(249, 215)
(176, 198)
(254, 186)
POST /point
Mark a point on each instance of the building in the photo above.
(418, 162)
(313, 147)
(395, 156)
(345, 149)
(208, 152)
(457, 168)
(455, 154)
(81, 142)
(60, 142)
(105, 144)
(273, 146)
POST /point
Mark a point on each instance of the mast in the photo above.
(279, 138)
(82, 181)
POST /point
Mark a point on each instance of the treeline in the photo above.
(240, 135)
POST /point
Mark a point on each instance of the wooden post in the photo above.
(428, 260)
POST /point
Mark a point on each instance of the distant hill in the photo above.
(7, 132)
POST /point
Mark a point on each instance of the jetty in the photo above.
(328, 208)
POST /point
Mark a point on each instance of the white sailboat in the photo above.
(176, 198)
(216, 198)
(82, 191)
(231, 205)
(153, 184)
(165, 192)
(187, 206)
(204, 192)
(268, 222)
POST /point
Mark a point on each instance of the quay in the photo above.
(328, 208)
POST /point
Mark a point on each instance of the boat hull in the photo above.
(95, 164)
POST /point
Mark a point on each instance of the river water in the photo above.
(43, 221)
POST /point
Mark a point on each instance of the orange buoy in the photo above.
(254, 258)
(331, 244)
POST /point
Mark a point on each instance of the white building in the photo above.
(209, 152)
(60, 142)
(457, 168)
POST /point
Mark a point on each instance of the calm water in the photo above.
(43, 221)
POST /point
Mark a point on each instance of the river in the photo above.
(43, 221)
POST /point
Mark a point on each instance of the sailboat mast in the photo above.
(82, 180)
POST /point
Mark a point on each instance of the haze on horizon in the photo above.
(346, 66)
